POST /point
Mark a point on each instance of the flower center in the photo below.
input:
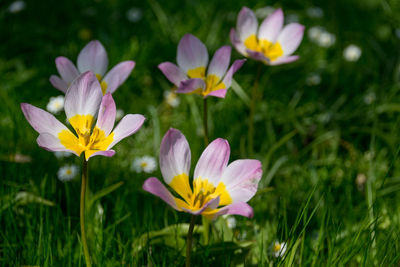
(272, 51)
(88, 140)
(211, 80)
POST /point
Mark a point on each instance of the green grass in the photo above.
(313, 141)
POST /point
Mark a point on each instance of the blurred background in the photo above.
(326, 133)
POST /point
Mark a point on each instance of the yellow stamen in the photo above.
(103, 84)
(88, 140)
(211, 80)
(203, 192)
(270, 50)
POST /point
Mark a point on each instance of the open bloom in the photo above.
(93, 57)
(193, 73)
(218, 188)
(271, 43)
(83, 102)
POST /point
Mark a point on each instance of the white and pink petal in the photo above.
(174, 155)
(192, 53)
(83, 96)
(155, 187)
(107, 113)
(241, 179)
(173, 73)
(191, 85)
(93, 57)
(213, 161)
(128, 125)
(271, 26)
(58, 83)
(52, 143)
(246, 24)
(66, 69)
(118, 74)
(42, 121)
(220, 62)
(239, 208)
(290, 38)
(237, 64)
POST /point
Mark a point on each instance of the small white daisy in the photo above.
(16, 6)
(279, 249)
(62, 154)
(369, 98)
(352, 53)
(119, 114)
(326, 39)
(313, 79)
(56, 104)
(314, 33)
(231, 222)
(67, 172)
(145, 164)
(171, 98)
(315, 12)
(134, 14)
(264, 12)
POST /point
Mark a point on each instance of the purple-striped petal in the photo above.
(52, 143)
(284, 60)
(191, 85)
(93, 57)
(218, 93)
(237, 43)
(239, 208)
(174, 155)
(83, 96)
(290, 38)
(173, 73)
(241, 179)
(234, 68)
(271, 26)
(128, 125)
(220, 62)
(107, 112)
(246, 23)
(257, 56)
(58, 83)
(210, 205)
(213, 161)
(66, 69)
(42, 121)
(105, 153)
(155, 187)
(117, 75)
(192, 53)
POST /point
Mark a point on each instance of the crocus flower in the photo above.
(269, 43)
(83, 102)
(193, 73)
(93, 57)
(218, 188)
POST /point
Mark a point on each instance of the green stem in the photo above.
(254, 98)
(189, 240)
(206, 224)
(82, 212)
(205, 122)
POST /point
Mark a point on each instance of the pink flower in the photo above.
(269, 43)
(93, 57)
(194, 75)
(218, 188)
(84, 102)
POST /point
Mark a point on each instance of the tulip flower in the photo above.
(218, 188)
(271, 43)
(93, 57)
(194, 75)
(83, 102)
